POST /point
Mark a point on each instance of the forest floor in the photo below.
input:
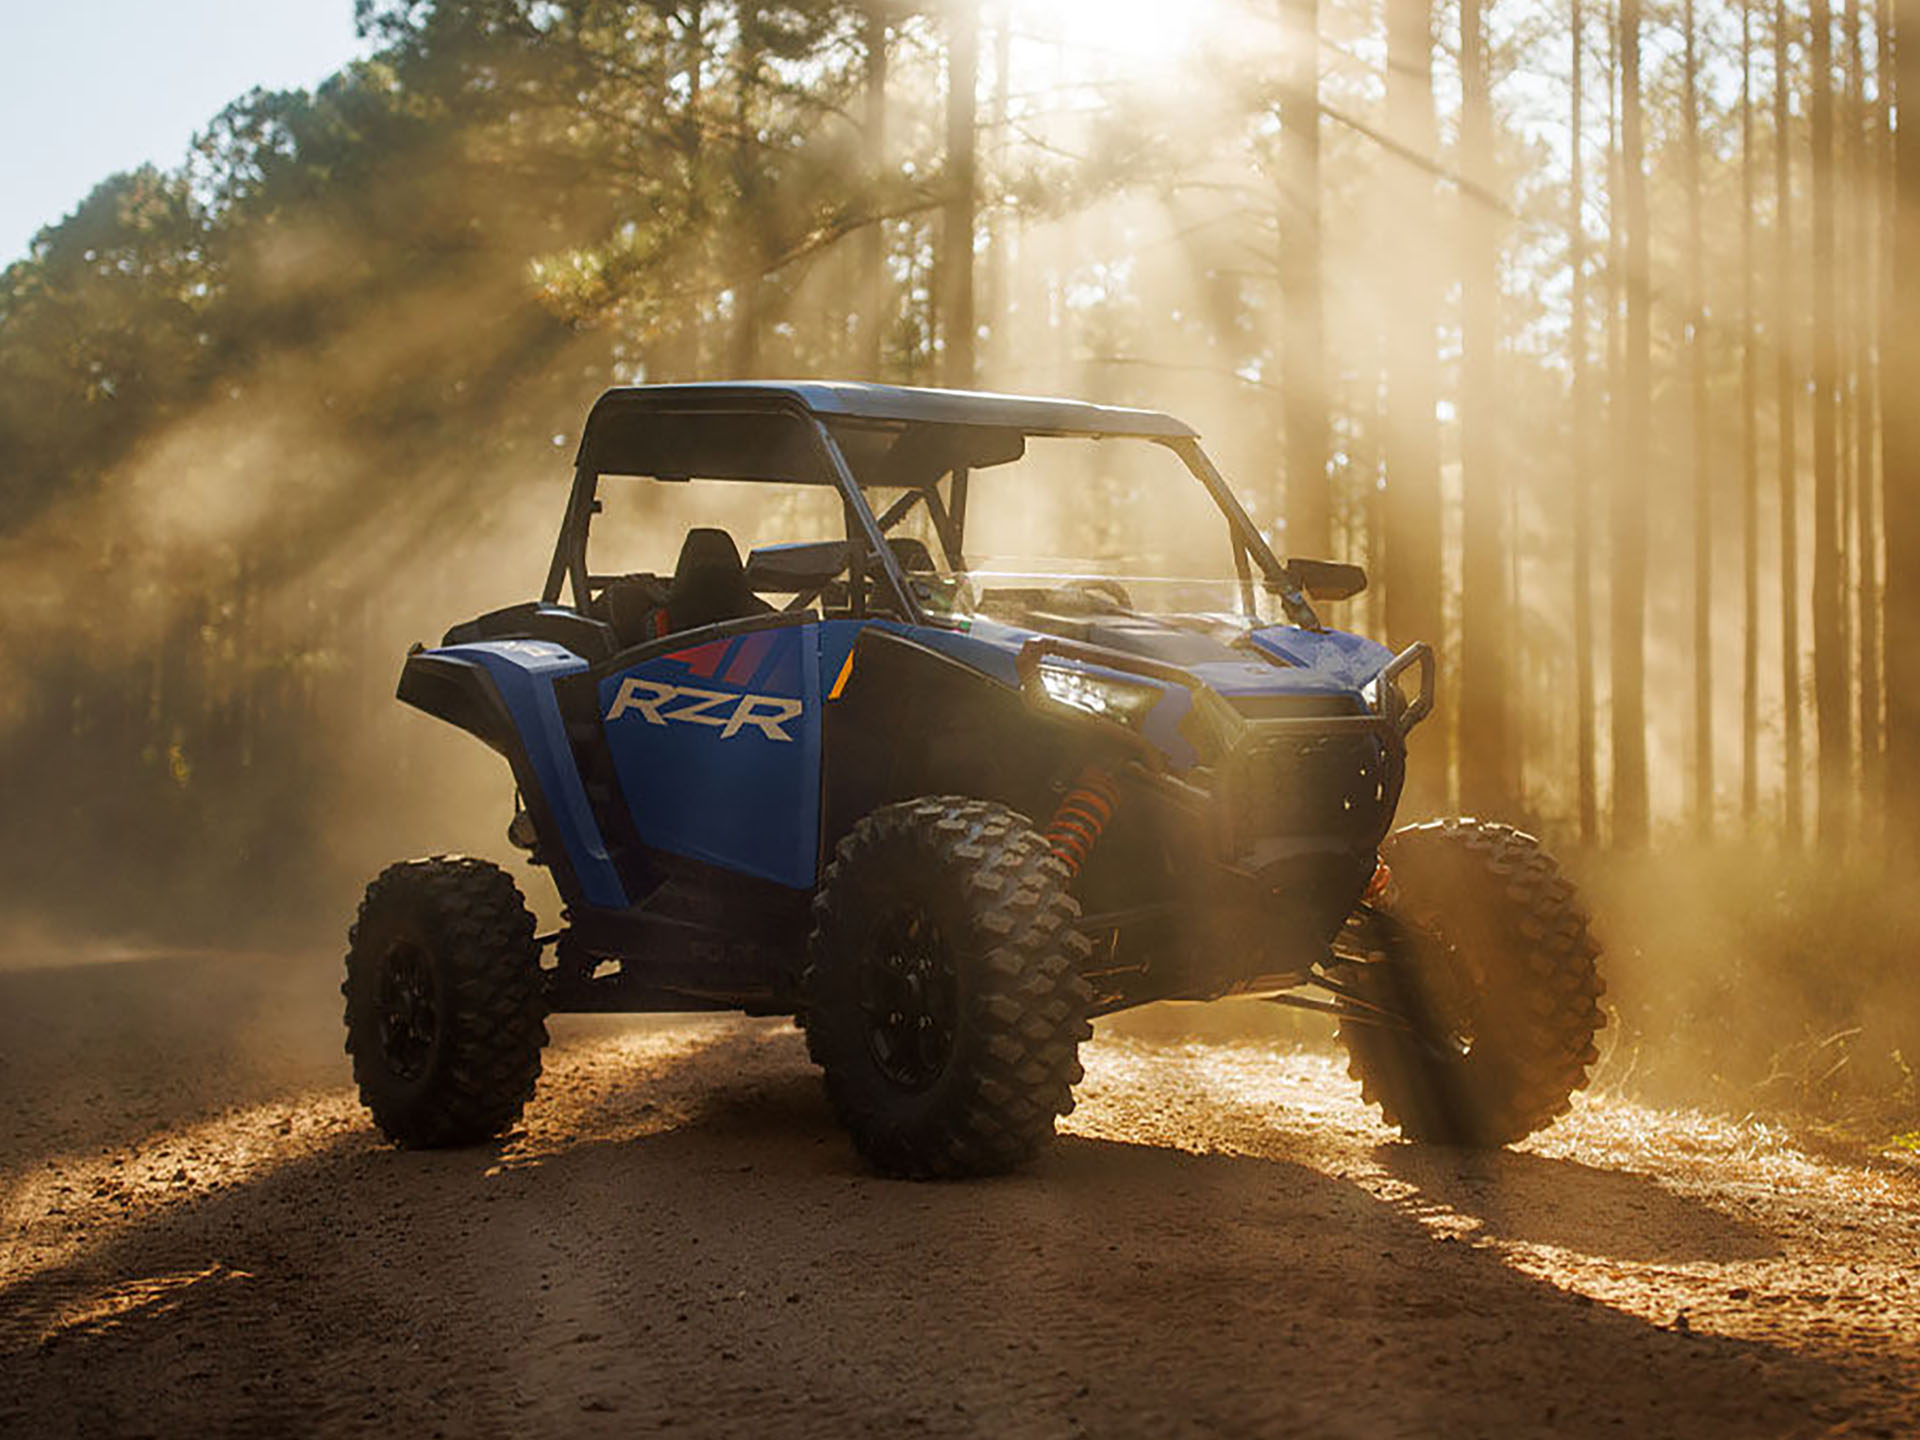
(200, 1234)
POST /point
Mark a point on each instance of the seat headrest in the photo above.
(707, 550)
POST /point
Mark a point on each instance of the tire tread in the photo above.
(1028, 1000)
(481, 938)
(1543, 974)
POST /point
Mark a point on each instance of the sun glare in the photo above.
(1133, 36)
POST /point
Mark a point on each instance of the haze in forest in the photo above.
(1572, 323)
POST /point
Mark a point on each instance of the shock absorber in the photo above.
(1380, 888)
(1081, 817)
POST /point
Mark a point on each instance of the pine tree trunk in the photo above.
(1303, 344)
(743, 351)
(1614, 330)
(1629, 598)
(685, 351)
(1373, 476)
(873, 240)
(956, 262)
(1787, 404)
(1846, 264)
(1413, 583)
(1829, 658)
(1587, 781)
(1900, 451)
(1485, 744)
(999, 232)
(1412, 518)
(1702, 449)
(1749, 450)
(1866, 122)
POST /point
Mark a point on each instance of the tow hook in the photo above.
(1380, 888)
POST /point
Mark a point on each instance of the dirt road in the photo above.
(200, 1235)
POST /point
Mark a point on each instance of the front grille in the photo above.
(1300, 786)
(1290, 706)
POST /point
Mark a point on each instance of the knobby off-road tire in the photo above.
(446, 1014)
(943, 990)
(1498, 958)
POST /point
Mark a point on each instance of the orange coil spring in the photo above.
(1083, 814)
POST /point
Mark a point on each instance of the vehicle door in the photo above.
(716, 744)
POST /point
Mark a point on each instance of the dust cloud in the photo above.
(1763, 983)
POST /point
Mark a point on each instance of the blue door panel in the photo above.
(718, 751)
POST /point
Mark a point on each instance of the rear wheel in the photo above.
(1490, 959)
(446, 1016)
(943, 990)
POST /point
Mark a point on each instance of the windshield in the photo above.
(980, 521)
(1120, 520)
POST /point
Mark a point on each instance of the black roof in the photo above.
(849, 400)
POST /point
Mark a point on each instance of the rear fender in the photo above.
(501, 692)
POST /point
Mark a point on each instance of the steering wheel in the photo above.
(1100, 588)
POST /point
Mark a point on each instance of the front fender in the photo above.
(501, 692)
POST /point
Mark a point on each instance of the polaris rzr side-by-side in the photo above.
(1008, 719)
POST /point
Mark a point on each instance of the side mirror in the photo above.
(1327, 579)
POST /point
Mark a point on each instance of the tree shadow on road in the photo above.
(705, 1255)
(1538, 1199)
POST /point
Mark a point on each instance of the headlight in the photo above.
(1104, 696)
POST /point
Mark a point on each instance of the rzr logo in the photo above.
(728, 713)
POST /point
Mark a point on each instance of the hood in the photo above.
(1220, 651)
(1256, 673)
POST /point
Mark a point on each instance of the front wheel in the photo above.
(446, 1015)
(943, 991)
(1488, 958)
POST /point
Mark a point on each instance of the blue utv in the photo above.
(1009, 719)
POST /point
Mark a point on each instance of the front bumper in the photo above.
(1290, 786)
(1265, 850)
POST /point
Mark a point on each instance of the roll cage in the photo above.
(803, 433)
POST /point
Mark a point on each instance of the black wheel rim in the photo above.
(1442, 994)
(409, 1018)
(909, 999)
(1425, 985)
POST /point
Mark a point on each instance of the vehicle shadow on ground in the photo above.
(693, 1246)
(1543, 1200)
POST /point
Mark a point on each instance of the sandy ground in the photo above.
(200, 1235)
